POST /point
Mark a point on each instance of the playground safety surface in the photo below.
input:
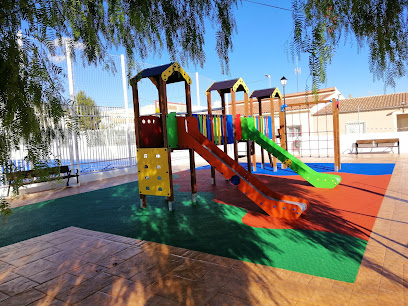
(76, 265)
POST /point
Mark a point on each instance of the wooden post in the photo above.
(336, 135)
(193, 176)
(275, 162)
(248, 143)
(212, 131)
(234, 113)
(260, 115)
(163, 111)
(224, 121)
(252, 143)
(282, 129)
(136, 112)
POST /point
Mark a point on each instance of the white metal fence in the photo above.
(104, 140)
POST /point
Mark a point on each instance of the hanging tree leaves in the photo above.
(319, 26)
(31, 85)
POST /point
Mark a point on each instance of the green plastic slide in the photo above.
(319, 180)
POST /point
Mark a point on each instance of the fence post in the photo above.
(125, 102)
(73, 141)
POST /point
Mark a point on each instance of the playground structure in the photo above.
(157, 136)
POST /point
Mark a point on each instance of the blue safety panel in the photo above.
(209, 128)
(270, 127)
(230, 129)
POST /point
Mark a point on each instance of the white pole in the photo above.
(198, 89)
(73, 141)
(125, 103)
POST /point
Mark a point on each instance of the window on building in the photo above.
(402, 123)
(355, 127)
(294, 130)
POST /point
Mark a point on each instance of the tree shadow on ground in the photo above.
(207, 227)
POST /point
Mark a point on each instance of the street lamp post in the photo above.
(269, 77)
(283, 82)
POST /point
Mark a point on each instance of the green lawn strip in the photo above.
(206, 226)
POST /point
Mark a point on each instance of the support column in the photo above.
(212, 131)
(163, 111)
(193, 177)
(224, 122)
(274, 160)
(248, 142)
(282, 129)
(336, 135)
(234, 113)
(260, 116)
(136, 112)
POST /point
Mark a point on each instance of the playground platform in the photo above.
(79, 266)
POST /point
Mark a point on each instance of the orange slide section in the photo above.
(274, 204)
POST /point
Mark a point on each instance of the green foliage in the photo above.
(319, 26)
(5, 209)
(89, 115)
(31, 100)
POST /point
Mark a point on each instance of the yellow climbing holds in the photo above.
(288, 162)
(153, 171)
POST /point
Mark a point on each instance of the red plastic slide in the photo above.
(274, 204)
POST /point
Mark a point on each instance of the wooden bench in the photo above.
(378, 143)
(37, 176)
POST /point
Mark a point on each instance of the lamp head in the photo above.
(283, 81)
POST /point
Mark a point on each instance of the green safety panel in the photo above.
(319, 180)
(172, 136)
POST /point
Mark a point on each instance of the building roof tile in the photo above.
(366, 104)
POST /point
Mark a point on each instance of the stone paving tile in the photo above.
(24, 298)
(60, 284)
(105, 251)
(3, 296)
(223, 299)
(244, 290)
(134, 265)
(190, 269)
(299, 292)
(33, 257)
(122, 287)
(171, 287)
(17, 285)
(151, 275)
(86, 288)
(59, 270)
(119, 257)
(63, 238)
(88, 271)
(7, 276)
(35, 267)
(81, 246)
(48, 301)
(330, 297)
(14, 254)
(6, 267)
(62, 256)
(100, 298)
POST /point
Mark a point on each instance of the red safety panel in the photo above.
(151, 132)
(238, 131)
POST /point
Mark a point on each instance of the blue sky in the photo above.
(261, 47)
